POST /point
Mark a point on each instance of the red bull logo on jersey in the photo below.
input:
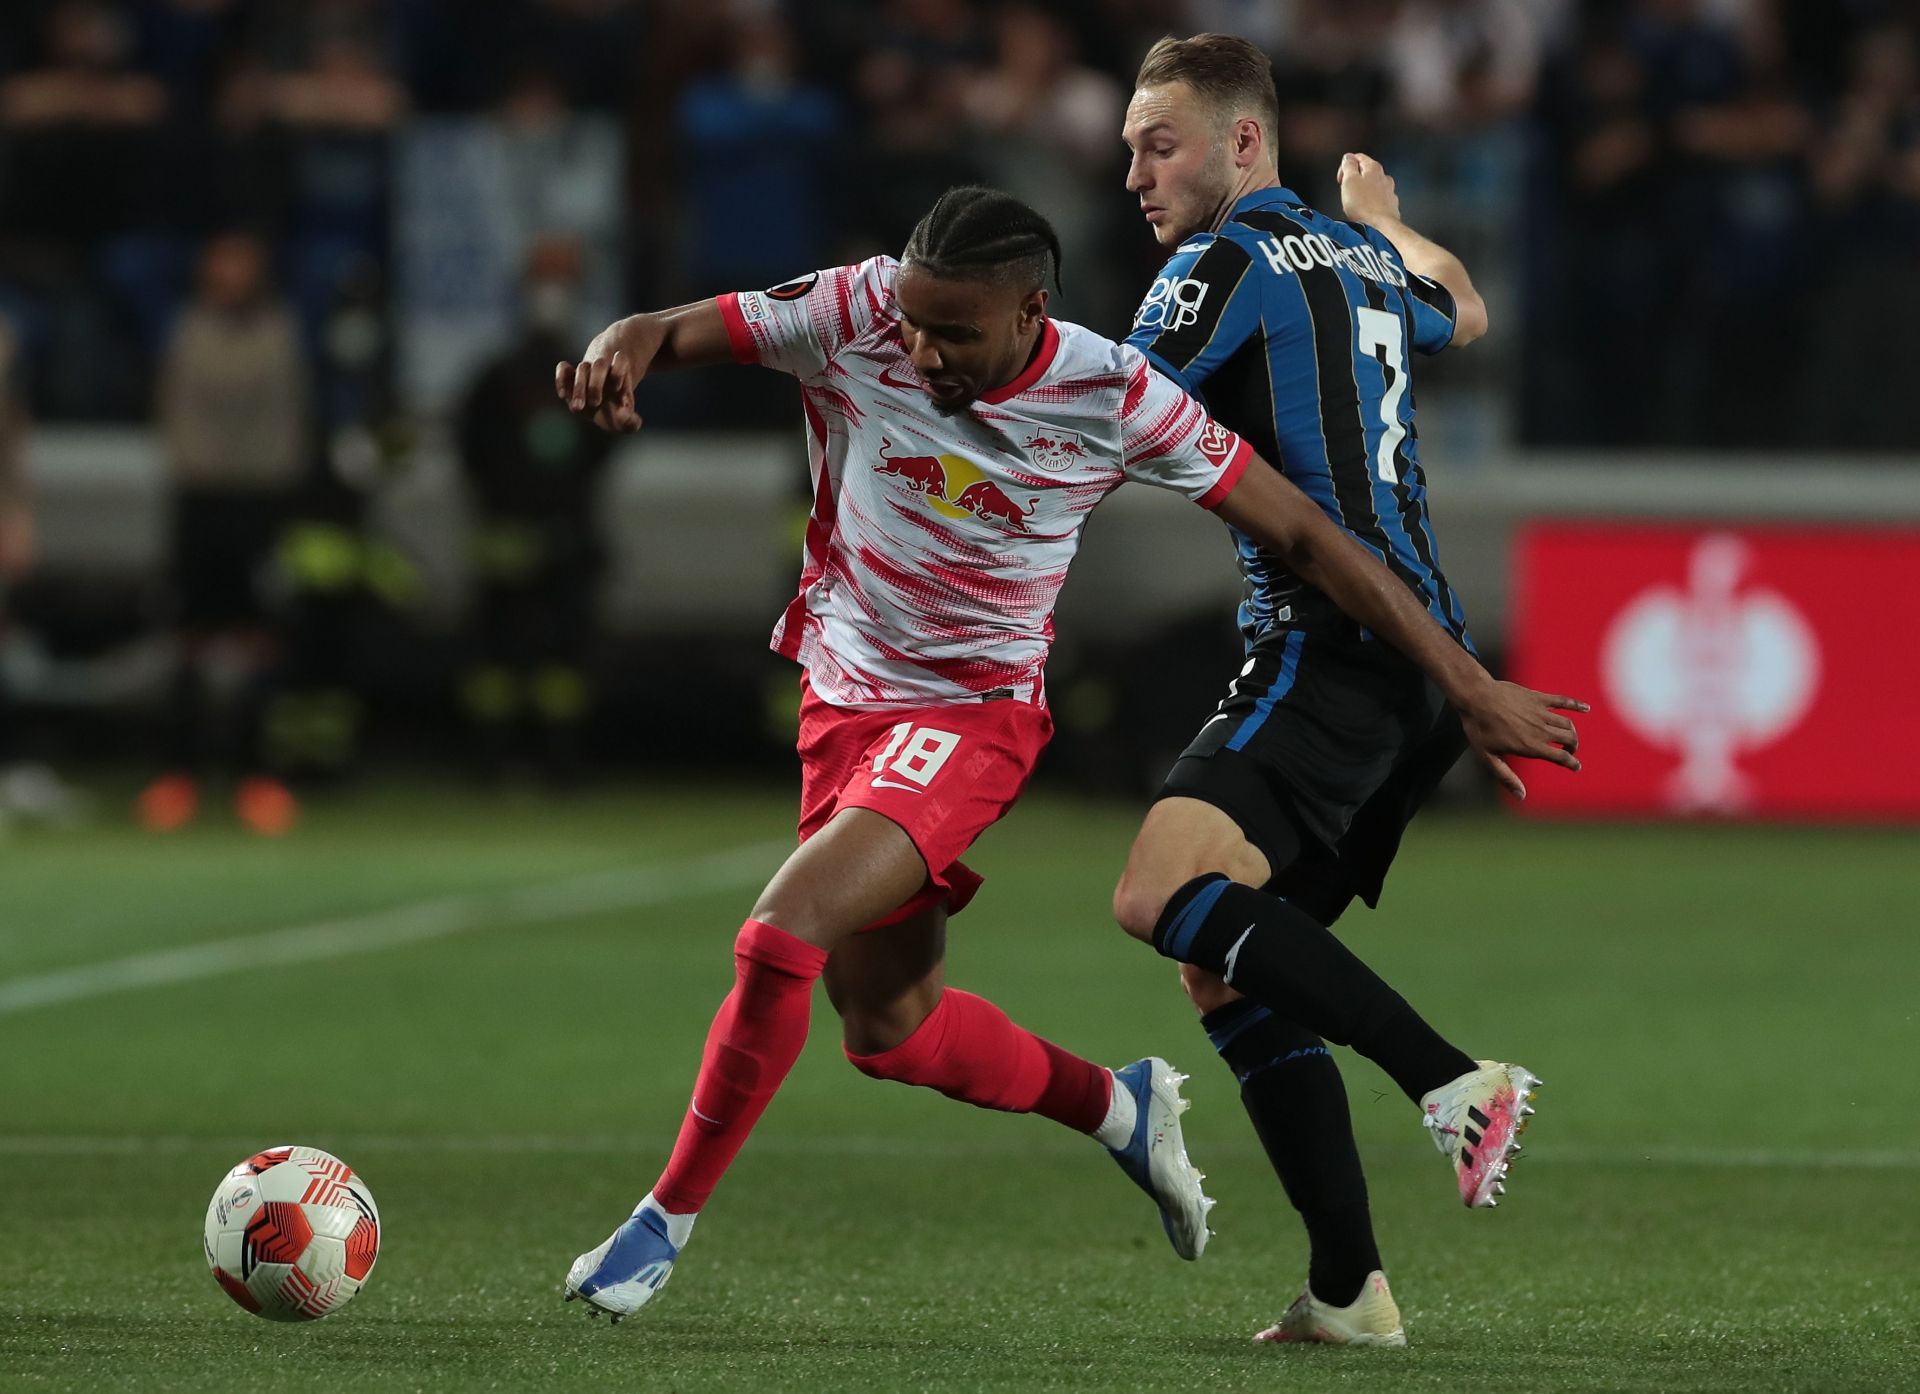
(1054, 449)
(989, 502)
(924, 474)
(954, 487)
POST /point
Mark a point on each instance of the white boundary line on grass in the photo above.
(539, 1144)
(400, 925)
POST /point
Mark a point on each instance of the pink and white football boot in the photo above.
(1476, 1122)
(1371, 1319)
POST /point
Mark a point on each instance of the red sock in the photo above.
(968, 1050)
(754, 1041)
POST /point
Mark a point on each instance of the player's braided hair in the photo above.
(974, 233)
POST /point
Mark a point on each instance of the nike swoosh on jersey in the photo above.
(886, 381)
(889, 784)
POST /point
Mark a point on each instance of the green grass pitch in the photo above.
(502, 1004)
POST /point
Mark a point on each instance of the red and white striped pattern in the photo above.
(330, 1176)
(299, 1295)
(938, 544)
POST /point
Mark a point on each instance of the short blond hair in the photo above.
(1230, 74)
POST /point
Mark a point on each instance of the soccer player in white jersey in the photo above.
(959, 438)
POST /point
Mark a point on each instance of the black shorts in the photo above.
(1324, 749)
(223, 541)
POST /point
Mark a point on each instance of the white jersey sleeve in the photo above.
(1168, 440)
(800, 325)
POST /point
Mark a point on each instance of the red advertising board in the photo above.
(1769, 672)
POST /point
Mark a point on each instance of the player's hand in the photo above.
(1366, 191)
(601, 386)
(1509, 721)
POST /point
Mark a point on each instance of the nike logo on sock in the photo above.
(1233, 954)
(703, 1117)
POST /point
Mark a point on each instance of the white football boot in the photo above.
(1476, 1122)
(1371, 1319)
(1155, 1157)
(622, 1275)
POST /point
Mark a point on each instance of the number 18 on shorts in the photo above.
(945, 774)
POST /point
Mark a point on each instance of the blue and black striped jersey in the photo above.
(1295, 329)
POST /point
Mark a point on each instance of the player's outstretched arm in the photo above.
(1502, 720)
(1367, 196)
(601, 385)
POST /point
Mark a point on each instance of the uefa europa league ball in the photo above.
(292, 1234)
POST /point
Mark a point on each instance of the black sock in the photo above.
(1292, 1092)
(1271, 952)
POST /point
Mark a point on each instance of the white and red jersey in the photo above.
(938, 544)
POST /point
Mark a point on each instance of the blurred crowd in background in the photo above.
(1697, 220)
(1689, 188)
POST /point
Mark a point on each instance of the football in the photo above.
(292, 1234)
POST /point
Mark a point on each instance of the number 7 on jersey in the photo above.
(1381, 330)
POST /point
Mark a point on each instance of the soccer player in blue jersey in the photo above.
(1297, 330)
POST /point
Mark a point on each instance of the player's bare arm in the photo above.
(1367, 196)
(601, 385)
(1502, 720)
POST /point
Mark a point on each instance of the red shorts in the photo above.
(945, 774)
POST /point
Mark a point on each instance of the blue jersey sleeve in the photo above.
(1203, 306)
(1429, 304)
